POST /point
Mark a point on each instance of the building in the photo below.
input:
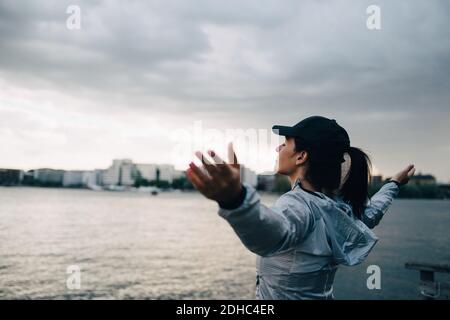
(10, 177)
(93, 178)
(72, 179)
(28, 178)
(422, 180)
(121, 173)
(445, 188)
(249, 176)
(273, 182)
(124, 173)
(127, 175)
(266, 182)
(48, 176)
(161, 172)
(179, 174)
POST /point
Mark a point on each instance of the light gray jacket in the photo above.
(303, 237)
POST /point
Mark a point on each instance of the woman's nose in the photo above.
(277, 149)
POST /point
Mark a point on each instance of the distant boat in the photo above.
(153, 190)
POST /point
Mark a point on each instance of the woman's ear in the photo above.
(302, 156)
(345, 169)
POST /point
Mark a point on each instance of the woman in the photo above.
(324, 221)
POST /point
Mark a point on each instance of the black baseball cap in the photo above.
(319, 133)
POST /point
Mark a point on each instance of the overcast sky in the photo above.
(137, 70)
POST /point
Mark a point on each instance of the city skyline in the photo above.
(375, 170)
(377, 174)
(134, 73)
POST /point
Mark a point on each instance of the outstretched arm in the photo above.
(268, 231)
(382, 200)
(264, 231)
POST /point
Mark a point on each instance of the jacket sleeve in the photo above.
(268, 231)
(379, 204)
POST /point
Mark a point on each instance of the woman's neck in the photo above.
(308, 186)
(305, 184)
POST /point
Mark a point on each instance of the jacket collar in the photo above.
(297, 183)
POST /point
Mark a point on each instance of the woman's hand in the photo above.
(223, 183)
(403, 176)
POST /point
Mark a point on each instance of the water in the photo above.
(175, 246)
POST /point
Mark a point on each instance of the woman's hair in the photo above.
(356, 187)
(324, 173)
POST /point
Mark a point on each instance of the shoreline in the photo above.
(186, 191)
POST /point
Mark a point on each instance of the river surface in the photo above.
(175, 246)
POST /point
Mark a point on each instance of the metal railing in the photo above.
(429, 288)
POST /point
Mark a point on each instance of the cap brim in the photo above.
(283, 130)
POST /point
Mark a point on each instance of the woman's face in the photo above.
(287, 157)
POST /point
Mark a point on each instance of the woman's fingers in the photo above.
(408, 170)
(212, 169)
(218, 160)
(403, 176)
(203, 178)
(221, 180)
(411, 172)
(232, 159)
(198, 184)
(221, 165)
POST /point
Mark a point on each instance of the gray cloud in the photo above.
(241, 63)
